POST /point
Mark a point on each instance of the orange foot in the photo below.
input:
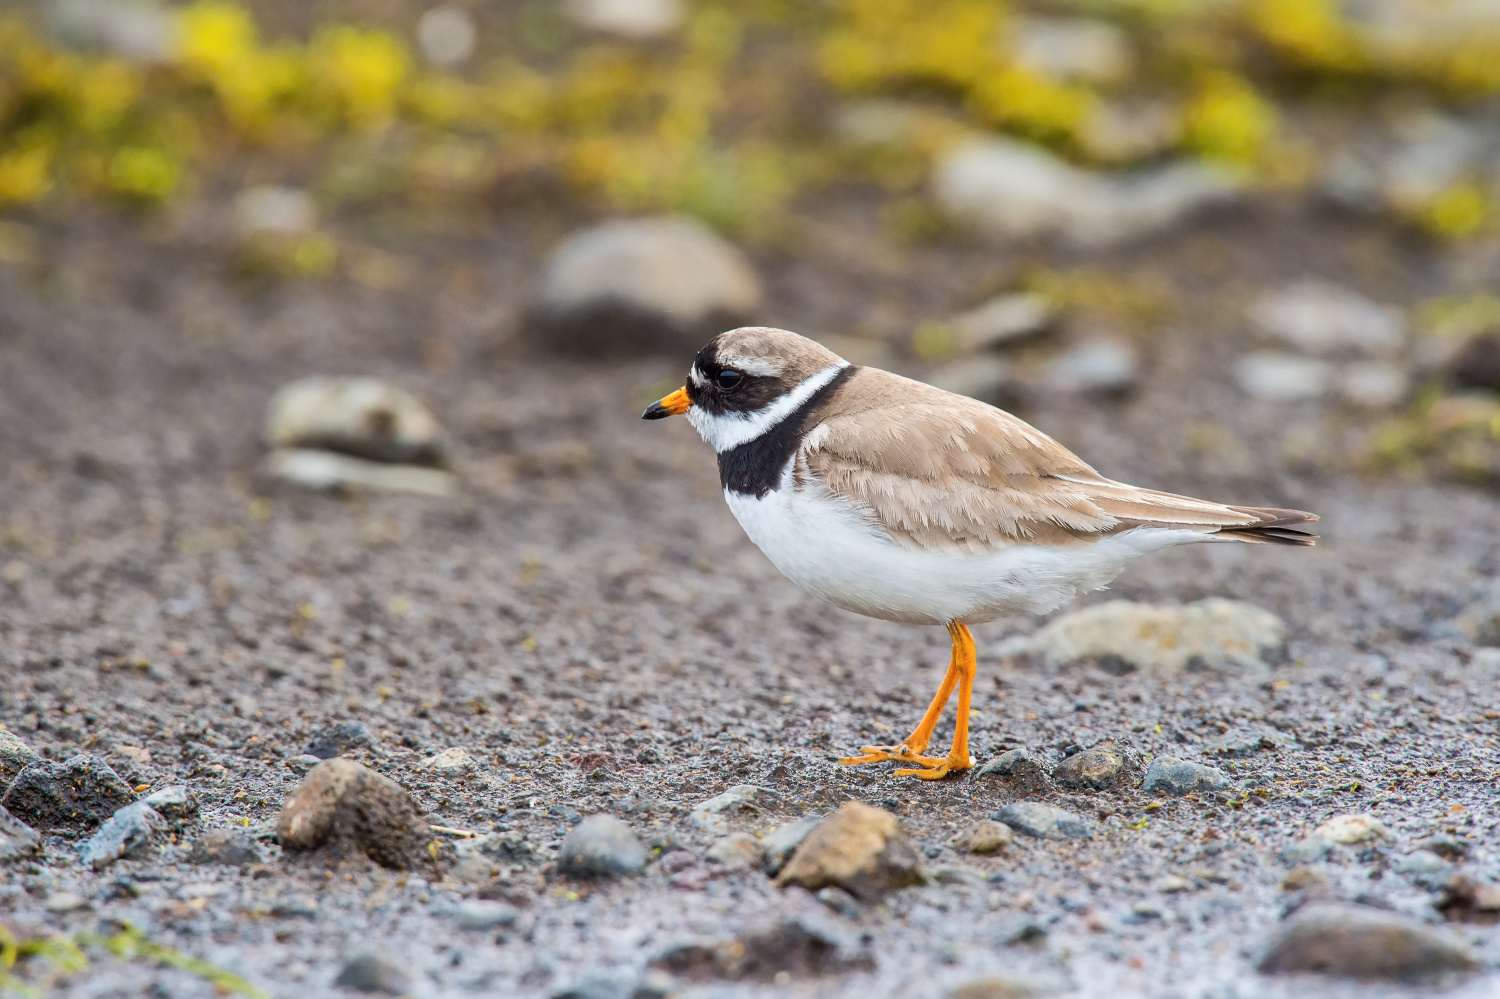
(883, 754)
(936, 769)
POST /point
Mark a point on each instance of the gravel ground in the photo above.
(588, 592)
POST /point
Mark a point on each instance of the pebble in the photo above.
(363, 417)
(138, 32)
(322, 470)
(780, 843)
(988, 379)
(1466, 900)
(17, 839)
(714, 815)
(177, 804)
(371, 973)
(129, 832)
(634, 19)
(15, 755)
(1121, 635)
(1477, 364)
(1302, 878)
(446, 36)
(674, 861)
(800, 947)
(271, 210)
(1072, 48)
(1444, 845)
(228, 847)
(348, 809)
(341, 737)
(1239, 743)
(1098, 767)
(859, 848)
(1353, 941)
(77, 794)
(1316, 317)
(1347, 830)
(1173, 883)
(984, 836)
(1425, 866)
(1098, 367)
(1002, 320)
(1043, 821)
(450, 761)
(1272, 376)
(1179, 777)
(601, 846)
(484, 914)
(1306, 850)
(1013, 189)
(998, 987)
(596, 987)
(1016, 768)
(643, 285)
(736, 851)
(302, 764)
(1373, 384)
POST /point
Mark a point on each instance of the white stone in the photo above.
(1373, 384)
(1098, 366)
(1214, 633)
(331, 470)
(1125, 131)
(1350, 829)
(452, 760)
(1278, 377)
(637, 19)
(736, 851)
(1072, 48)
(446, 35)
(714, 813)
(365, 417)
(1315, 317)
(137, 30)
(276, 211)
(1002, 320)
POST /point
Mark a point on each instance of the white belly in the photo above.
(828, 548)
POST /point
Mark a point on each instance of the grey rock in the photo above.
(484, 914)
(594, 987)
(314, 469)
(780, 843)
(1002, 320)
(742, 800)
(341, 737)
(363, 417)
(804, 946)
(1373, 384)
(655, 984)
(1347, 830)
(1477, 363)
(346, 809)
(1097, 367)
(130, 832)
(601, 846)
(1178, 777)
(1315, 317)
(1425, 868)
(984, 836)
(17, 839)
(988, 379)
(1444, 845)
(1097, 767)
(999, 987)
(1072, 48)
(1239, 743)
(15, 755)
(736, 851)
(138, 31)
(1353, 941)
(303, 763)
(272, 210)
(633, 19)
(1016, 769)
(176, 804)
(373, 974)
(229, 847)
(77, 794)
(1306, 850)
(1043, 821)
(446, 35)
(1276, 377)
(643, 285)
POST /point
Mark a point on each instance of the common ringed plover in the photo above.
(897, 500)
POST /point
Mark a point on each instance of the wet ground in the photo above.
(588, 591)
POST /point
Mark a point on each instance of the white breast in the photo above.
(830, 549)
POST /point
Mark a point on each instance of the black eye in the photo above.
(728, 378)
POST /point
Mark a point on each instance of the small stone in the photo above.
(176, 804)
(371, 973)
(1424, 865)
(1353, 941)
(140, 32)
(130, 832)
(1276, 377)
(780, 843)
(1002, 320)
(1173, 883)
(484, 914)
(1179, 777)
(1444, 845)
(1373, 384)
(1098, 367)
(15, 755)
(1349, 829)
(988, 379)
(839, 901)
(655, 984)
(1476, 364)
(1099, 767)
(1121, 635)
(643, 285)
(714, 815)
(1302, 878)
(339, 738)
(313, 469)
(274, 211)
(66, 901)
(1242, 742)
(1466, 900)
(17, 839)
(450, 761)
(363, 417)
(1315, 317)
(1017, 769)
(736, 851)
(601, 846)
(1072, 48)
(804, 946)
(594, 987)
(302, 764)
(634, 19)
(348, 809)
(77, 794)
(135, 754)
(998, 987)
(1043, 821)
(446, 36)
(858, 848)
(1306, 850)
(228, 847)
(984, 836)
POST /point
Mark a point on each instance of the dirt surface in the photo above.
(588, 592)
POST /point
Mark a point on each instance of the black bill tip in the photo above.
(656, 411)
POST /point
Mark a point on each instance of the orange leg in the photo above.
(965, 661)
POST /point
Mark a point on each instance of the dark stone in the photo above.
(1017, 770)
(332, 740)
(76, 795)
(1100, 767)
(229, 847)
(17, 839)
(1478, 363)
(347, 809)
(371, 973)
(1042, 821)
(802, 947)
(1466, 900)
(601, 846)
(15, 755)
(1351, 941)
(176, 804)
(1179, 777)
(129, 832)
(594, 988)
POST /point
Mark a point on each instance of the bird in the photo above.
(894, 499)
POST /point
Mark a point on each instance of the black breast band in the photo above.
(754, 467)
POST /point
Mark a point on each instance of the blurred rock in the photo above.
(338, 738)
(999, 987)
(130, 832)
(14, 757)
(1349, 829)
(227, 847)
(988, 379)
(1002, 320)
(1316, 317)
(1179, 777)
(484, 914)
(1305, 850)
(1013, 190)
(480, 860)
(1072, 48)
(984, 836)
(1425, 868)
(601, 846)
(635, 19)
(780, 843)
(347, 809)
(1242, 742)
(1444, 845)
(177, 804)
(1467, 900)
(1354, 941)
(801, 947)
(77, 794)
(1043, 821)
(1129, 130)
(640, 286)
(327, 470)
(1098, 367)
(137, 30)
(446, 36)
(363, 417)
(373, 975)
(1373, 384)
(449, 762)
(858, 848)
(736, 851)
(742, 800)
(1017, 769)
(1122, 635)
(1277, 377)
(1477, 363)
(274, 211)
(17, 839)
(1097, 768)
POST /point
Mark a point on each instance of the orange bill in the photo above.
(677, 402)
